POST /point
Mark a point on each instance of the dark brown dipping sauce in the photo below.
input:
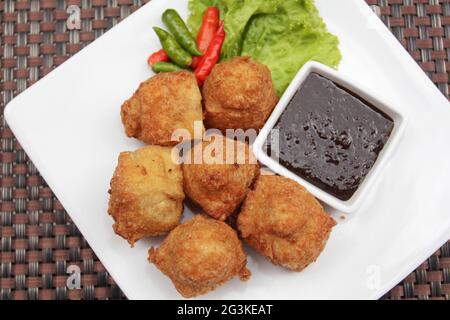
(331, 137)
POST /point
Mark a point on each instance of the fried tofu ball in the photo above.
(162, 104)
(146, 195)
(220, 186)
(200, 255)
(239, 94)
(284, 222)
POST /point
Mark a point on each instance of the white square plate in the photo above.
(69, 125)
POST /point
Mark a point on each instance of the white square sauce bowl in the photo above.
(352, 204)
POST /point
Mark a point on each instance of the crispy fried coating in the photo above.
(200, 255)
(220, 186)
(162, 104)
(284, 222)
(239, 94)
(146, 195)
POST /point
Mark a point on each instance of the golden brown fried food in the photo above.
(146, 193)
(200, 255)
(221, 187)
(239, 94)
(162, 104)
(284, 222)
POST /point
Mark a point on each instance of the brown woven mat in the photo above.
(39, 242)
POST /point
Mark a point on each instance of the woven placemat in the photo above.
(40, 246)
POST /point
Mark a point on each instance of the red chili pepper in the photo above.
(212, 55)
(207, 31)
(158, 56)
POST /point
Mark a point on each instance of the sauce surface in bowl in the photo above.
(331, 137)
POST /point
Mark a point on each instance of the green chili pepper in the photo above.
(165, 67)
(175, 52)
(178, 28)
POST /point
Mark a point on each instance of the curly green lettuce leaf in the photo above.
(285, 41)
(236, 14)
(236, 20)
(283, 34)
